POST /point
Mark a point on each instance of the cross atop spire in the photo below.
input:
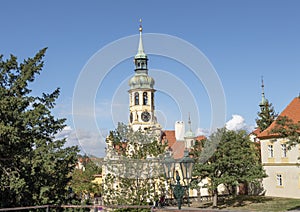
(141, 27)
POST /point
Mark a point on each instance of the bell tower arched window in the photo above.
(136, 98)
(145, 98)
(141, 63)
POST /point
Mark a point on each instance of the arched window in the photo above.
(145, 98)
(136, 98)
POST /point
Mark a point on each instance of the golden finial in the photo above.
(141, 28)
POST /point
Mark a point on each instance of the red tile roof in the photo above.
(200, 137)
(170, 136)
(177, 147)
(256, 131)
(292, 111)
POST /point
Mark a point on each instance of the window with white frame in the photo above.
(279, 179)
(284, 150)
(270, 151)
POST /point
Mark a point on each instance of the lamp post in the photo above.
(169, 166)
(186, 167)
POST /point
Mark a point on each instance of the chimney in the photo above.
(179, 130)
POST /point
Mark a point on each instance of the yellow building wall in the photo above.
(288, 167)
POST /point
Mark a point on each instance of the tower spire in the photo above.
(141, 93)
(263, 98)
(189, 122)
(141, 53)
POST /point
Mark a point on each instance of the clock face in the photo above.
(146, 116)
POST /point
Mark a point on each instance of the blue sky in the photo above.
(243, 40)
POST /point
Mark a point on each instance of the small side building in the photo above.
(281, 163)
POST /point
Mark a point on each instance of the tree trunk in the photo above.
(215, 198)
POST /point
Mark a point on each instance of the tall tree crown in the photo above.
(34, 166)
(266, 116)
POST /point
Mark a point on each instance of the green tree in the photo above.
(82, 179)
(266, 116)
(34, 166)
(196, 150)
(287, 128)
(235, 160)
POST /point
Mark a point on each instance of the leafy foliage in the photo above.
(135, 144)
(196, 150)
(287, 128)
(82, 179)
(130, 191)
(266, 116)
(133, 175)
(235, 160)
(34, 166)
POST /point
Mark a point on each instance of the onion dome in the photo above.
(189, 134)
(141, 81)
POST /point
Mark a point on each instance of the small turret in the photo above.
(189, 136)
(263, 102)
(189, 133)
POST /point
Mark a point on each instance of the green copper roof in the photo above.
(263, 98)
(141, 78)
(189, 134)
(141, 81)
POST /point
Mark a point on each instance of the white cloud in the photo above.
(202, 131)
(64, 133)
(91, 143)
(236, 123)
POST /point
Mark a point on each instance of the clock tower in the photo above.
(141, 93)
